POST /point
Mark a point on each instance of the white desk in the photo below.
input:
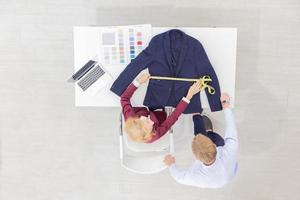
(219, 44)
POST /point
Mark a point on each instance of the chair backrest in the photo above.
(144, 164)
(162, 144)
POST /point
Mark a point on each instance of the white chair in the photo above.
(145, 158)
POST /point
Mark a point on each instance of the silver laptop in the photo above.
(91, 78)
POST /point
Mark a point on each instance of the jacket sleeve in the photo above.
(127, 109)
(205, 68)
(134, 68)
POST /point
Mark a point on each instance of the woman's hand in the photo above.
(194, 89)
(225, 100)
(143, 78)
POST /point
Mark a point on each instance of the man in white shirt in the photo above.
(216, 162)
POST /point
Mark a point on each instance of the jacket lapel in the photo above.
(182, 53)
(167, 49)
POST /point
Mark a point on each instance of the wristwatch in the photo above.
(225, 101)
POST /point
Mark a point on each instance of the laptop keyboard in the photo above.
(89, 65)
(91, 77)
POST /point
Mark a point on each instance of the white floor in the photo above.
(52, 150)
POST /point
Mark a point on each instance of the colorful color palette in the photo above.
(131, 44)
(114, 53)
(139, 42)
(106, 55)
(121, 45)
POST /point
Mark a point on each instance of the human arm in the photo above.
(181, 106)
(127, 94)
(231, 138)
(178, 175)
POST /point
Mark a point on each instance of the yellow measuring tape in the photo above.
(204, 81)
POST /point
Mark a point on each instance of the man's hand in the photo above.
(225, 100)
(143, 78)
(194, 89)
(169, 160)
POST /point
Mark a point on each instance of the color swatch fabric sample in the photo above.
(121, 44)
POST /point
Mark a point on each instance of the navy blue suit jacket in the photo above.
(175, 54)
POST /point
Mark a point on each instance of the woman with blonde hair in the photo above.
(148, 125)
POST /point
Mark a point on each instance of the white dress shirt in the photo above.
(222, 170)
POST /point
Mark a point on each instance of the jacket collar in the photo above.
(168, 51)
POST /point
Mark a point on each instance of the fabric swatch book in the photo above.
(120, 44)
